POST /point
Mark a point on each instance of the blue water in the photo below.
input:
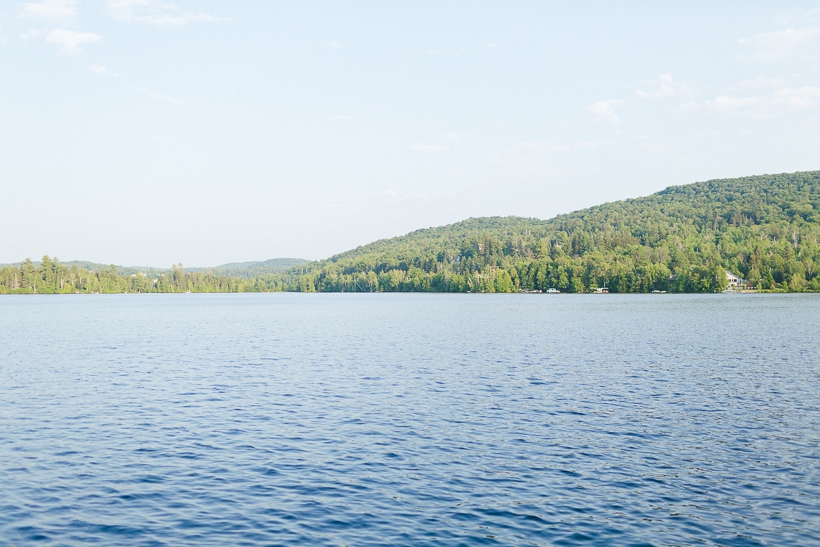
(286, 419)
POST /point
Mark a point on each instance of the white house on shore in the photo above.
(735, 281)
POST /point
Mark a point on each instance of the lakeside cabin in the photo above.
(735, 282)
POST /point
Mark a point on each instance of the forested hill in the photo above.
(244, 270)
(249, 270)
(49, 276)
(763, 228)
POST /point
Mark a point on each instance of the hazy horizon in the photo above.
(140, 132)
(261, 260)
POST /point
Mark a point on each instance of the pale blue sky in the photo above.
(157, 131)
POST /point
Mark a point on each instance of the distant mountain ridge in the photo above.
(249, 270)
(245, 270)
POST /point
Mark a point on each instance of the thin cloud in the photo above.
(801, 97)
(764, 104)
(153, 12)
(662, 87)
(101, 70)
(531, 160)
(781, 44)
(389, 200)
(759, 83)
(540, 147)
(32, 33)
(343, 118)
(50, 9)
(419, 147)
(731, 103)
(70, 41)
(790, 17)
(605, 110)
(176, 101)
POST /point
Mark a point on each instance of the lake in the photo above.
(410, 419)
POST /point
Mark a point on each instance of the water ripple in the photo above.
(151, 420)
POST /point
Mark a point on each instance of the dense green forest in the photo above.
(49, 276)
(86, 265)
(765, 229)
(246, 270)
(249, 270)
(682, 239)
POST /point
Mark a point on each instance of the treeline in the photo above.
(765, 229)
(52, 277)
(683, 239)
(250, 270)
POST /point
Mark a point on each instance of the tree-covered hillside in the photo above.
(249, 270)
(49, 276)
(682, 239)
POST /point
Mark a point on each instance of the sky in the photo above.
(152, 132)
